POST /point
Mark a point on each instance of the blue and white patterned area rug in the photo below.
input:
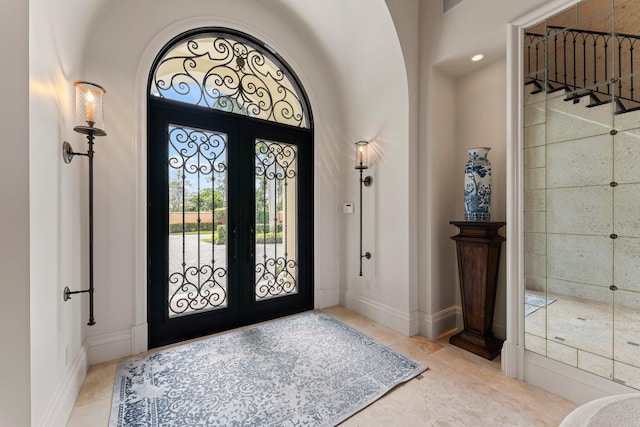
(306, 370)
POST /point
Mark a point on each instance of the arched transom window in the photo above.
(228, 71)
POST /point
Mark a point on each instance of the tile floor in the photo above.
(602, 338)
(459, 389)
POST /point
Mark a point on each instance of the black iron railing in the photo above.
(597, 64)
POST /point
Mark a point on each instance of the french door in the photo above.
(230, 220)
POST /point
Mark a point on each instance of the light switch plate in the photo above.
(347, 208)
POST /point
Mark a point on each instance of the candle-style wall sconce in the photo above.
(362, 163)
(90, 122)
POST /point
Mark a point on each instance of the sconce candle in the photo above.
(89, 117)
(90, 107)
(362, 163)
(362, 155)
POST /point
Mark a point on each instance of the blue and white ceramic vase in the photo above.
(477, 185)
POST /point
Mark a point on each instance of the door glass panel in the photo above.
(197, 220)
(275, 234)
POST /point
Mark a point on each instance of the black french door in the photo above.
(230, 221)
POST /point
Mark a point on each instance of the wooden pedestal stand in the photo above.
(478, 246)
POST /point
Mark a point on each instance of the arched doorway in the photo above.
(230, 187)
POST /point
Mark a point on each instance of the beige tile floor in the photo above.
(458, 389)
(598, 337)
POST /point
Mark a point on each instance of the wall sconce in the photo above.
(90, 122)
(362, 163)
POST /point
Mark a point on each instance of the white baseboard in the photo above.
(399, 321)
(105, 347)
(434, 325)
(139, 338)
(323, 298)
(62, 405)
(512, 357)
(569, 382)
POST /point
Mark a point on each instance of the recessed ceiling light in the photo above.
(477, 57)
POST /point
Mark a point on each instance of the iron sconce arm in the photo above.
(67, 155)
(364, 182)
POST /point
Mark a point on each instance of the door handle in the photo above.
(252, 239)
(235, 244)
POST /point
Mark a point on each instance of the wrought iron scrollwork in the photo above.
(275, 161)
(198, 151)
(276, 171)
(276, 277)
(230, 73)
(197, 289)
(194, 284)
(579, 62)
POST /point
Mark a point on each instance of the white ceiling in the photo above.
(493, 46)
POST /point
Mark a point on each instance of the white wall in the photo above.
(406, 18)
(446, 44)
(442, 171)
(334, 47)
(59, 237)
(375, 94)
(118, 56)
(481, 122)
(436, 173)
(14, 193)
